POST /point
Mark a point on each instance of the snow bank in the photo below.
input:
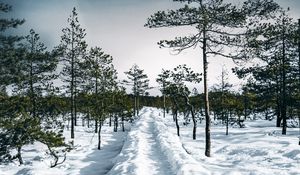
(126, 162)
(182, 163)
(258, 149)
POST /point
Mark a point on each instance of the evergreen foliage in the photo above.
(73, 50)
(101, 77)
(37, 69)
(175, 87)
(274, 79)
(140, 84)
(8, 49)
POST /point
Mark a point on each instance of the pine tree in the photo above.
(9, 72)
(140, 84)
(222, 89)
(212, 19)
(175, 87)
(73, 48)
(37, 69)
(101, 77)
(162, 79)
(274, 77)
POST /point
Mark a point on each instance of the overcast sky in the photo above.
(117, 26)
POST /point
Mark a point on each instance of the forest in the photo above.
(50, 98)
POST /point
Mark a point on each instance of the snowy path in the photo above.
(149, 150)
(141, 153)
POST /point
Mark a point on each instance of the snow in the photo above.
(181, 161)
(152, 147)
(84, 159)
(141, 153)
(257, 149)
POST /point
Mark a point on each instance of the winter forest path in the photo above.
(141, 153)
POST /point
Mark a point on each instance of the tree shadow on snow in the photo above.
(24, 171)
(102, 160)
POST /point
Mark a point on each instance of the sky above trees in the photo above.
(117, 26)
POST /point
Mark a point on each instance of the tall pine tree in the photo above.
(37, 68)
(101, 77)
(73, 48)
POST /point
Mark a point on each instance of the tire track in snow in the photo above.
(154, 156)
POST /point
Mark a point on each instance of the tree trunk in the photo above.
(299, 128)
(195, 123)
(96, 125)
(227, 123)
(191, 108)
(222, 111)
(138, 105)
(246, 101)
(112, 114)
(75, 103)
(99, 135)
(135, 103)
(207, 117)
(19, 155)
(164, 106)
(240, 121)
(299, 69)
(32, 95)
(88, 119)
(284, 104)
(176, 122)
(116, 123)
(278, 95)
(72, 82)
(175, 116)
(96, 101)
(173, 110)
(72, 109)
(278, 107)
(267, 114)
(123, 127)
(110, 120)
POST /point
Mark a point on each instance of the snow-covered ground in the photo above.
(84, 159)
(152, 147)
(257, 149)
